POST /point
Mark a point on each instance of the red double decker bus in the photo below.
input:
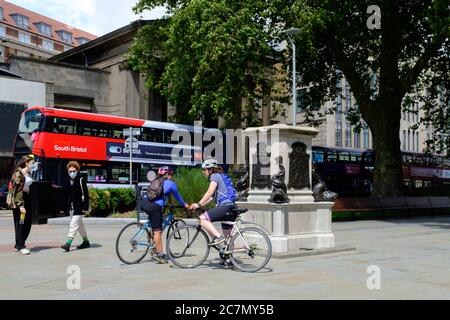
(56, 136)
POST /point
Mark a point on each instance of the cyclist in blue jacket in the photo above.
(217, 192)
(154, 209)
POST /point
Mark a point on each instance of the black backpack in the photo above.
(156, 189)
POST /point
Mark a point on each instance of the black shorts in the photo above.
(155, 215)
(222, 214)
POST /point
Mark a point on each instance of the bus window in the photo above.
(330, 156)
(168, 137)
(145, 168)
(343, 156)
(355, 157)
(92, 129)
(96, 174)
(418, 184)
(116, 131)
(407, 158)
(120, 173)
(318, 156)
(60, 125)
(30, 121)
(152, 135)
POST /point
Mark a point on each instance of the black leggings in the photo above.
(22, 230)
(155, 215)
(222, 213)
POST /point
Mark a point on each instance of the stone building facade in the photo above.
(92, 78)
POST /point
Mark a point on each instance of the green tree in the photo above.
(385, 68)
(209, 56)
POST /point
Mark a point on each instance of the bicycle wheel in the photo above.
(192, 250)
(132, 243)
(178, 223)
(250, 250)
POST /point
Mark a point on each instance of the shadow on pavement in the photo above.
(56, 246)
(215, 265)
(42, 248)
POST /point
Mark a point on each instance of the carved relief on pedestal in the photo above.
(299, 167)
(260, 171)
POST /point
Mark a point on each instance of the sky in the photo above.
(94, 16)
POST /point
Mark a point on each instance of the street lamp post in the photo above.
(290, 32)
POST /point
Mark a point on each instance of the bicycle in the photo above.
(136, 239)
(249, 249)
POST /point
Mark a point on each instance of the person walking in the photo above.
(21, 202)
(76, 202)
(153, 207)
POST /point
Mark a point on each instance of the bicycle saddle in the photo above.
(239, 210)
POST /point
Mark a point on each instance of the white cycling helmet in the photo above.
(210, 163)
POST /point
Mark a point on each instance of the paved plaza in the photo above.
(411, 255)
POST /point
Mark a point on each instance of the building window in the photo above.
(404, 140)
(366, 137)
(348, 98)
(357, 140)
(417, 112)
(24, 38)
(339, 108)
(338, 134)
(21, 21)
(82, 41)
(1, 14)
(45, 29)
(47, 45)
(417, 141)
(2, 31)
(2, 53)
(348, 135)
(65, 36)
(409, 140)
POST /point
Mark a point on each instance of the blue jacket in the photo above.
(170, 187)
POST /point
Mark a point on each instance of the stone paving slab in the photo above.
(412, 255)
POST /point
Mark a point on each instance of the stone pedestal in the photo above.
(301, 223)
(293, 226)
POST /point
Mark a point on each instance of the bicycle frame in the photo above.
(167, 222)
(234, 230)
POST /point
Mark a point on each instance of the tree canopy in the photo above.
(389, 67)
(211, 53)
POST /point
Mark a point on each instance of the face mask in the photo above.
(73, 174)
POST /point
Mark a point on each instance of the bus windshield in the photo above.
(30, 121)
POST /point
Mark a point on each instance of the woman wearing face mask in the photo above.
(21, 182)
(77, 203)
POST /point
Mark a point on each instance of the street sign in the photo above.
(132, 143)
(134, 132)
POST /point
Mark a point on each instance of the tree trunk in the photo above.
(266, 116)
(385, 127)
